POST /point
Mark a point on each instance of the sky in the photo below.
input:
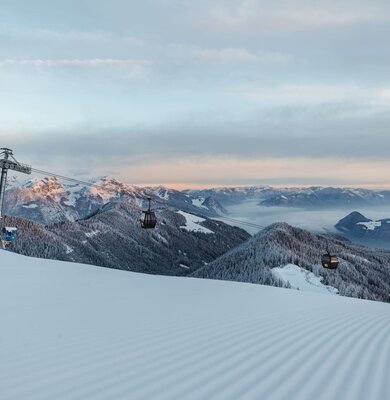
(199, 93)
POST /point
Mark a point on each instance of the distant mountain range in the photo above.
(312, 197)
(318, 197)
(235, 195)
(49, 200)
(363, 272)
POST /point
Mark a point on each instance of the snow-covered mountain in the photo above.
(48, 200)
(357, 224)
(71, 331)
(357, 227)
(363, 272)
(112, 237)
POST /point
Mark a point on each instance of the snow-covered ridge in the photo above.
(70, 331)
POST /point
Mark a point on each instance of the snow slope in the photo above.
(192, 223)
(199, 202)
(71, 331)
(302, 279)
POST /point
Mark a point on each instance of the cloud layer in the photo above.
(162, 82)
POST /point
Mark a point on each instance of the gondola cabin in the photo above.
(8, 234)
(330, 261)
(148, 219)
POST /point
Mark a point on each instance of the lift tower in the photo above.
(7, 161)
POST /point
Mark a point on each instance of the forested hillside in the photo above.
(363, 272)
(112, 238)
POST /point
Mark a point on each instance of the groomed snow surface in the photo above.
(70, 331)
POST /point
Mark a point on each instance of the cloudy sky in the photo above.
(199, 93)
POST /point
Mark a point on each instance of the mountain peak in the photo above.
(45, 185)
(104, 180)
(350, 221)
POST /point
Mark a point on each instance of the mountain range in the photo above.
(320, 197)
(48, 200)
